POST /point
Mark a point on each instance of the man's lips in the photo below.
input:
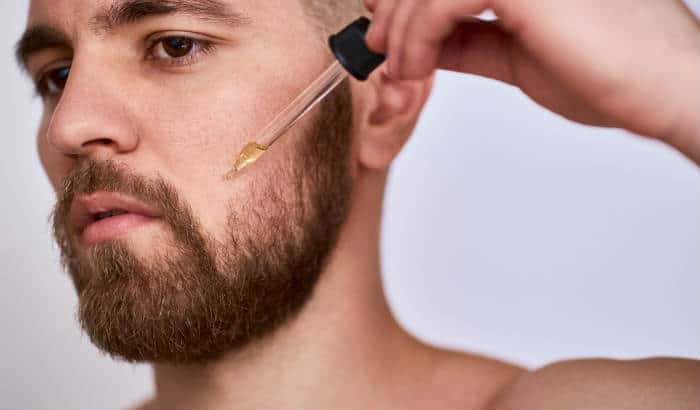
(107, 215)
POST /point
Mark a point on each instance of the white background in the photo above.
(508, 231)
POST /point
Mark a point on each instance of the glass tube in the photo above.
(289, 116)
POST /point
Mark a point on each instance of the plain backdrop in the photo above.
(508, 231)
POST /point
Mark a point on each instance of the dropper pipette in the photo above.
(352, 57)
(289, 116)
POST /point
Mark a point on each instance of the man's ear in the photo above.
(387, 117)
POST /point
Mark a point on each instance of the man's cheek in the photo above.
(211, 127)
(55, 164)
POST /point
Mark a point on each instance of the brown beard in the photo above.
(202, 298)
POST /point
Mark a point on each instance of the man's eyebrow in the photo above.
(124, 12)
(38, 38)
(121, 13)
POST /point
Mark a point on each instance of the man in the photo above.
(264, 291)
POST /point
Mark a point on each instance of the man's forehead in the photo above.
(61, 12)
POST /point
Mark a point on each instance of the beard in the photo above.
(199, 298)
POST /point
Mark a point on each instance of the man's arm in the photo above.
(620, 63)
(651, 384)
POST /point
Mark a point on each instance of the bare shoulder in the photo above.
(657, 383)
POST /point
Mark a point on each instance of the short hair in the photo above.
(329, 16)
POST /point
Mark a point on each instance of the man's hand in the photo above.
(633, 64)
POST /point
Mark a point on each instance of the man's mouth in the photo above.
(109, 214)
(104, 216)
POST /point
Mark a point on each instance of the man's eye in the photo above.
(178, 50)
(53, 82)
(171, 50)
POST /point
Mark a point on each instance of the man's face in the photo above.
(157, 103)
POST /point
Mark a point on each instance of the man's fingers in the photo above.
(479, 47)
(397, 32)
(419, 36)
(430, 23)
(381, 23)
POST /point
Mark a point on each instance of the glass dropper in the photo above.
(288, 117)
(352, 57)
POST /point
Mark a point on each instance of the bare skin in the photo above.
(345, 350)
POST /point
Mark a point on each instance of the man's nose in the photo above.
(92, 117)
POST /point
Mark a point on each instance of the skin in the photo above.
(107, 111)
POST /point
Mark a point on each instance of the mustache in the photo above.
(92, 176)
